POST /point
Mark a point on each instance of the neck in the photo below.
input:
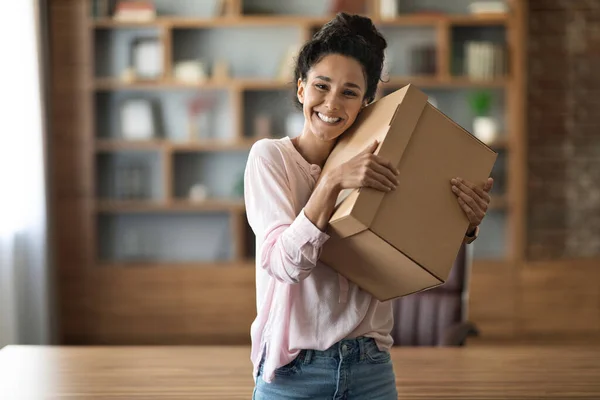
(314, 150)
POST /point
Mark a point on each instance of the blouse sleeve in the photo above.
(290, 244)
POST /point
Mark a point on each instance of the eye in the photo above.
(321, 86)
(350, 93)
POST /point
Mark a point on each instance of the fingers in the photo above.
(371, 148)
(489, 184)
(477, 210)
(377, 181)
(473, 191)
(387, 164)
(384, 169)
(387, 181)
(472, 215)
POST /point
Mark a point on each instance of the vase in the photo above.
(485, 129)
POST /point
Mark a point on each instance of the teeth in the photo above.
(328, 119)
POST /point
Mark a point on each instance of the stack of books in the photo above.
(484, 60)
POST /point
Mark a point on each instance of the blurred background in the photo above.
(127, 124)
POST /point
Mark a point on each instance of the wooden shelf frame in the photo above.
(119, 302)
(169, 206)
(236, 87)
(216, 145)
(299, 21)
(213, 267)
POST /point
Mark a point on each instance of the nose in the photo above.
(331, 102)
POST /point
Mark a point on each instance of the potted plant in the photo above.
(485, 127)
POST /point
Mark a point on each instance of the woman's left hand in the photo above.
(473, 199)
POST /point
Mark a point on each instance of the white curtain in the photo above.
(24, 269)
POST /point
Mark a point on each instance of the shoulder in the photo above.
(267, 163)
(271, 151)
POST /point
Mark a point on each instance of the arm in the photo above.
(471, 234)
(322, 202)
(290, 242)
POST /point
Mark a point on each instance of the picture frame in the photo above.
(137, 119)
(146, 58)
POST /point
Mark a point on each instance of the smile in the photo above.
(329, 120)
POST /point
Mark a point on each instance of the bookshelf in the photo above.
(204, 249)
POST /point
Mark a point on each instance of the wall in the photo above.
(564, 129)
(554, 295)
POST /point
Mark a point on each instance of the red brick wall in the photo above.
(563, 129)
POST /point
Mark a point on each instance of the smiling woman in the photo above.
(314, 328)
(317, 335)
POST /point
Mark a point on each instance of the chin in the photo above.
(327, 133)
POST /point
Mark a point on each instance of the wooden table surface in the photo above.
(31, 372)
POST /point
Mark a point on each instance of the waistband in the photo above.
(346, 348)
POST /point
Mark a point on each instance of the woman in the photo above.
(316, 335)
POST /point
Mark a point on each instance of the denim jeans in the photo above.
(350, 369)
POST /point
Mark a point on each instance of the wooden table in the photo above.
(29, 372)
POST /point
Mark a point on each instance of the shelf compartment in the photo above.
(278, 111)
(114, 145)
(112, 48)
(242, 49)
(173, 120)
(221, 174)
(164, 238)
(129, 175)
(288, 8)
(412, 51)
(487, 64)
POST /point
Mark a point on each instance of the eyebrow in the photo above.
(348, 84)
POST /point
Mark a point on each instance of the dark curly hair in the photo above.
(349, 35)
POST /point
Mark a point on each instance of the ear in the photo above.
(300, 92)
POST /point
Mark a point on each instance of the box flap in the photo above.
(358, 209)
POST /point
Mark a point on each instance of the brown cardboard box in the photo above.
(405, 241)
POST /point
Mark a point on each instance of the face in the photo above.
(332, 96)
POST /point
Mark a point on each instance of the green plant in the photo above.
(481, 103)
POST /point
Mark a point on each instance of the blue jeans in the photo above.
(350, 369)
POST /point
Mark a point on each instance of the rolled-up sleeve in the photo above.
(289, 244)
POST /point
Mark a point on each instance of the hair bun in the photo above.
(345, 24)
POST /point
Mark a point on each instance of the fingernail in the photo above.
(453, 181)
(397, 172)
(454, 189)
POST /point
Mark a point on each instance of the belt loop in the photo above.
(362, 347)
(308, 354)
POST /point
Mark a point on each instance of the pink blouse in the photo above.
(301, 303)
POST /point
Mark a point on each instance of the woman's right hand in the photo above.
(364, 170)
(367, 170)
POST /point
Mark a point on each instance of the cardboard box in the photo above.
(405, 241)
